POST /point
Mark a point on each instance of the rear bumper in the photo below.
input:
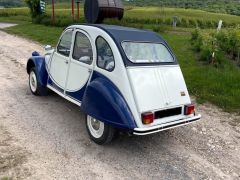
(166, 126)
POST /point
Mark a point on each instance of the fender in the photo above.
(38, 62)
(103, 101)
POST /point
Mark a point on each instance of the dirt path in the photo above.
(45, 137)
(6, 25)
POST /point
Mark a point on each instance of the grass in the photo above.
(219, 86)
(158, 12)
(40, 33)
(152, 15)
(6, 178)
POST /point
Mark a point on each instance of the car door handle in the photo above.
(89, 70)
(66, 61)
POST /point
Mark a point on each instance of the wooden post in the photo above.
(78, 13)
(73, 9)
(53, 12)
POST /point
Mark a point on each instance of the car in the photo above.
(124, 80)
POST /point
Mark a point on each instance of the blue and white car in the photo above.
(124, 79)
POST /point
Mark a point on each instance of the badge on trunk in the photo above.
(183, 93)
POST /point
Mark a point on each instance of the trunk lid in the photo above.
(159, 87)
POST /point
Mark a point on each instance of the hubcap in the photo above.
(95, 127)
(33, 81)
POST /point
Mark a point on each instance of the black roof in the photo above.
(120, 34)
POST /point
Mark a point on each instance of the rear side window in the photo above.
(64, 46)
(139, 52)
(105, 58)
(82, 49)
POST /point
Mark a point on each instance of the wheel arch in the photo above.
(30, 65)
(103, 101)
(38, 62)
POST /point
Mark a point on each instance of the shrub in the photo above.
(156, 28)
(192, 23)
(195, 34)
(184, 22)
(214, 45)
(210, 24)
(168, 21)
(34, 6)
(201, 23)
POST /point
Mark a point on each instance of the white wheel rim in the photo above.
(95, 127)
(33, 81)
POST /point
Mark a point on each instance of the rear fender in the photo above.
(103, 101)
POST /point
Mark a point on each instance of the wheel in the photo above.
(98, 131)
(34, 85)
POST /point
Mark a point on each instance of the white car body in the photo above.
(144, 88)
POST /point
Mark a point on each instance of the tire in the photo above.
(34, 85)
(98, 131)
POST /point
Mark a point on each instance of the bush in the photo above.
(168, 21)
(184, 22)
(195, 34)
(34, 6)
(192, 23)
(213, 46)
(156, 28)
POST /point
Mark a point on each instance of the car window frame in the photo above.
(85, 34)
(71, 30)
(152, 63)
(97, 54)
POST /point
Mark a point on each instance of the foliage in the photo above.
(34, 6)
(219, 6)
(12, 3)
(219, 86)
(155, 16)
(213, 45)
(186, 17)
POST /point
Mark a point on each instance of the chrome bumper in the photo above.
(166, 126)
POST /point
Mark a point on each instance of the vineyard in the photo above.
(186, 18)
(209, 59)
(213, 45)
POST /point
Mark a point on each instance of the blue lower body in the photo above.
(100, 98)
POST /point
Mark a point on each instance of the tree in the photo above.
(34, 6)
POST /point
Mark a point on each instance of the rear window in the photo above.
(140, 52)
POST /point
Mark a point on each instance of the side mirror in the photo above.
(48, 48)
(85, 59)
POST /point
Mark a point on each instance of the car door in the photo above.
(60, 62)
(81, 65)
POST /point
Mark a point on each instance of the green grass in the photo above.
(40, 33)
(6, 178)
(219, 86)
(150, 15)
(158, 12)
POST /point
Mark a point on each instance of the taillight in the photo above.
(148, 117)
(189, 109)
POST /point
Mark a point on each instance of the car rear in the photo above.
(158, 86)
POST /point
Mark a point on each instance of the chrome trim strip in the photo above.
(163, 127)
(64, 96)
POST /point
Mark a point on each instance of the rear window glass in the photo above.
(139, 52)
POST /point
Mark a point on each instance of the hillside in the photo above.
(221, 6)
(11, 3)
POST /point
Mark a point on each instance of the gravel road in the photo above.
(6, 25)
(45, 137)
